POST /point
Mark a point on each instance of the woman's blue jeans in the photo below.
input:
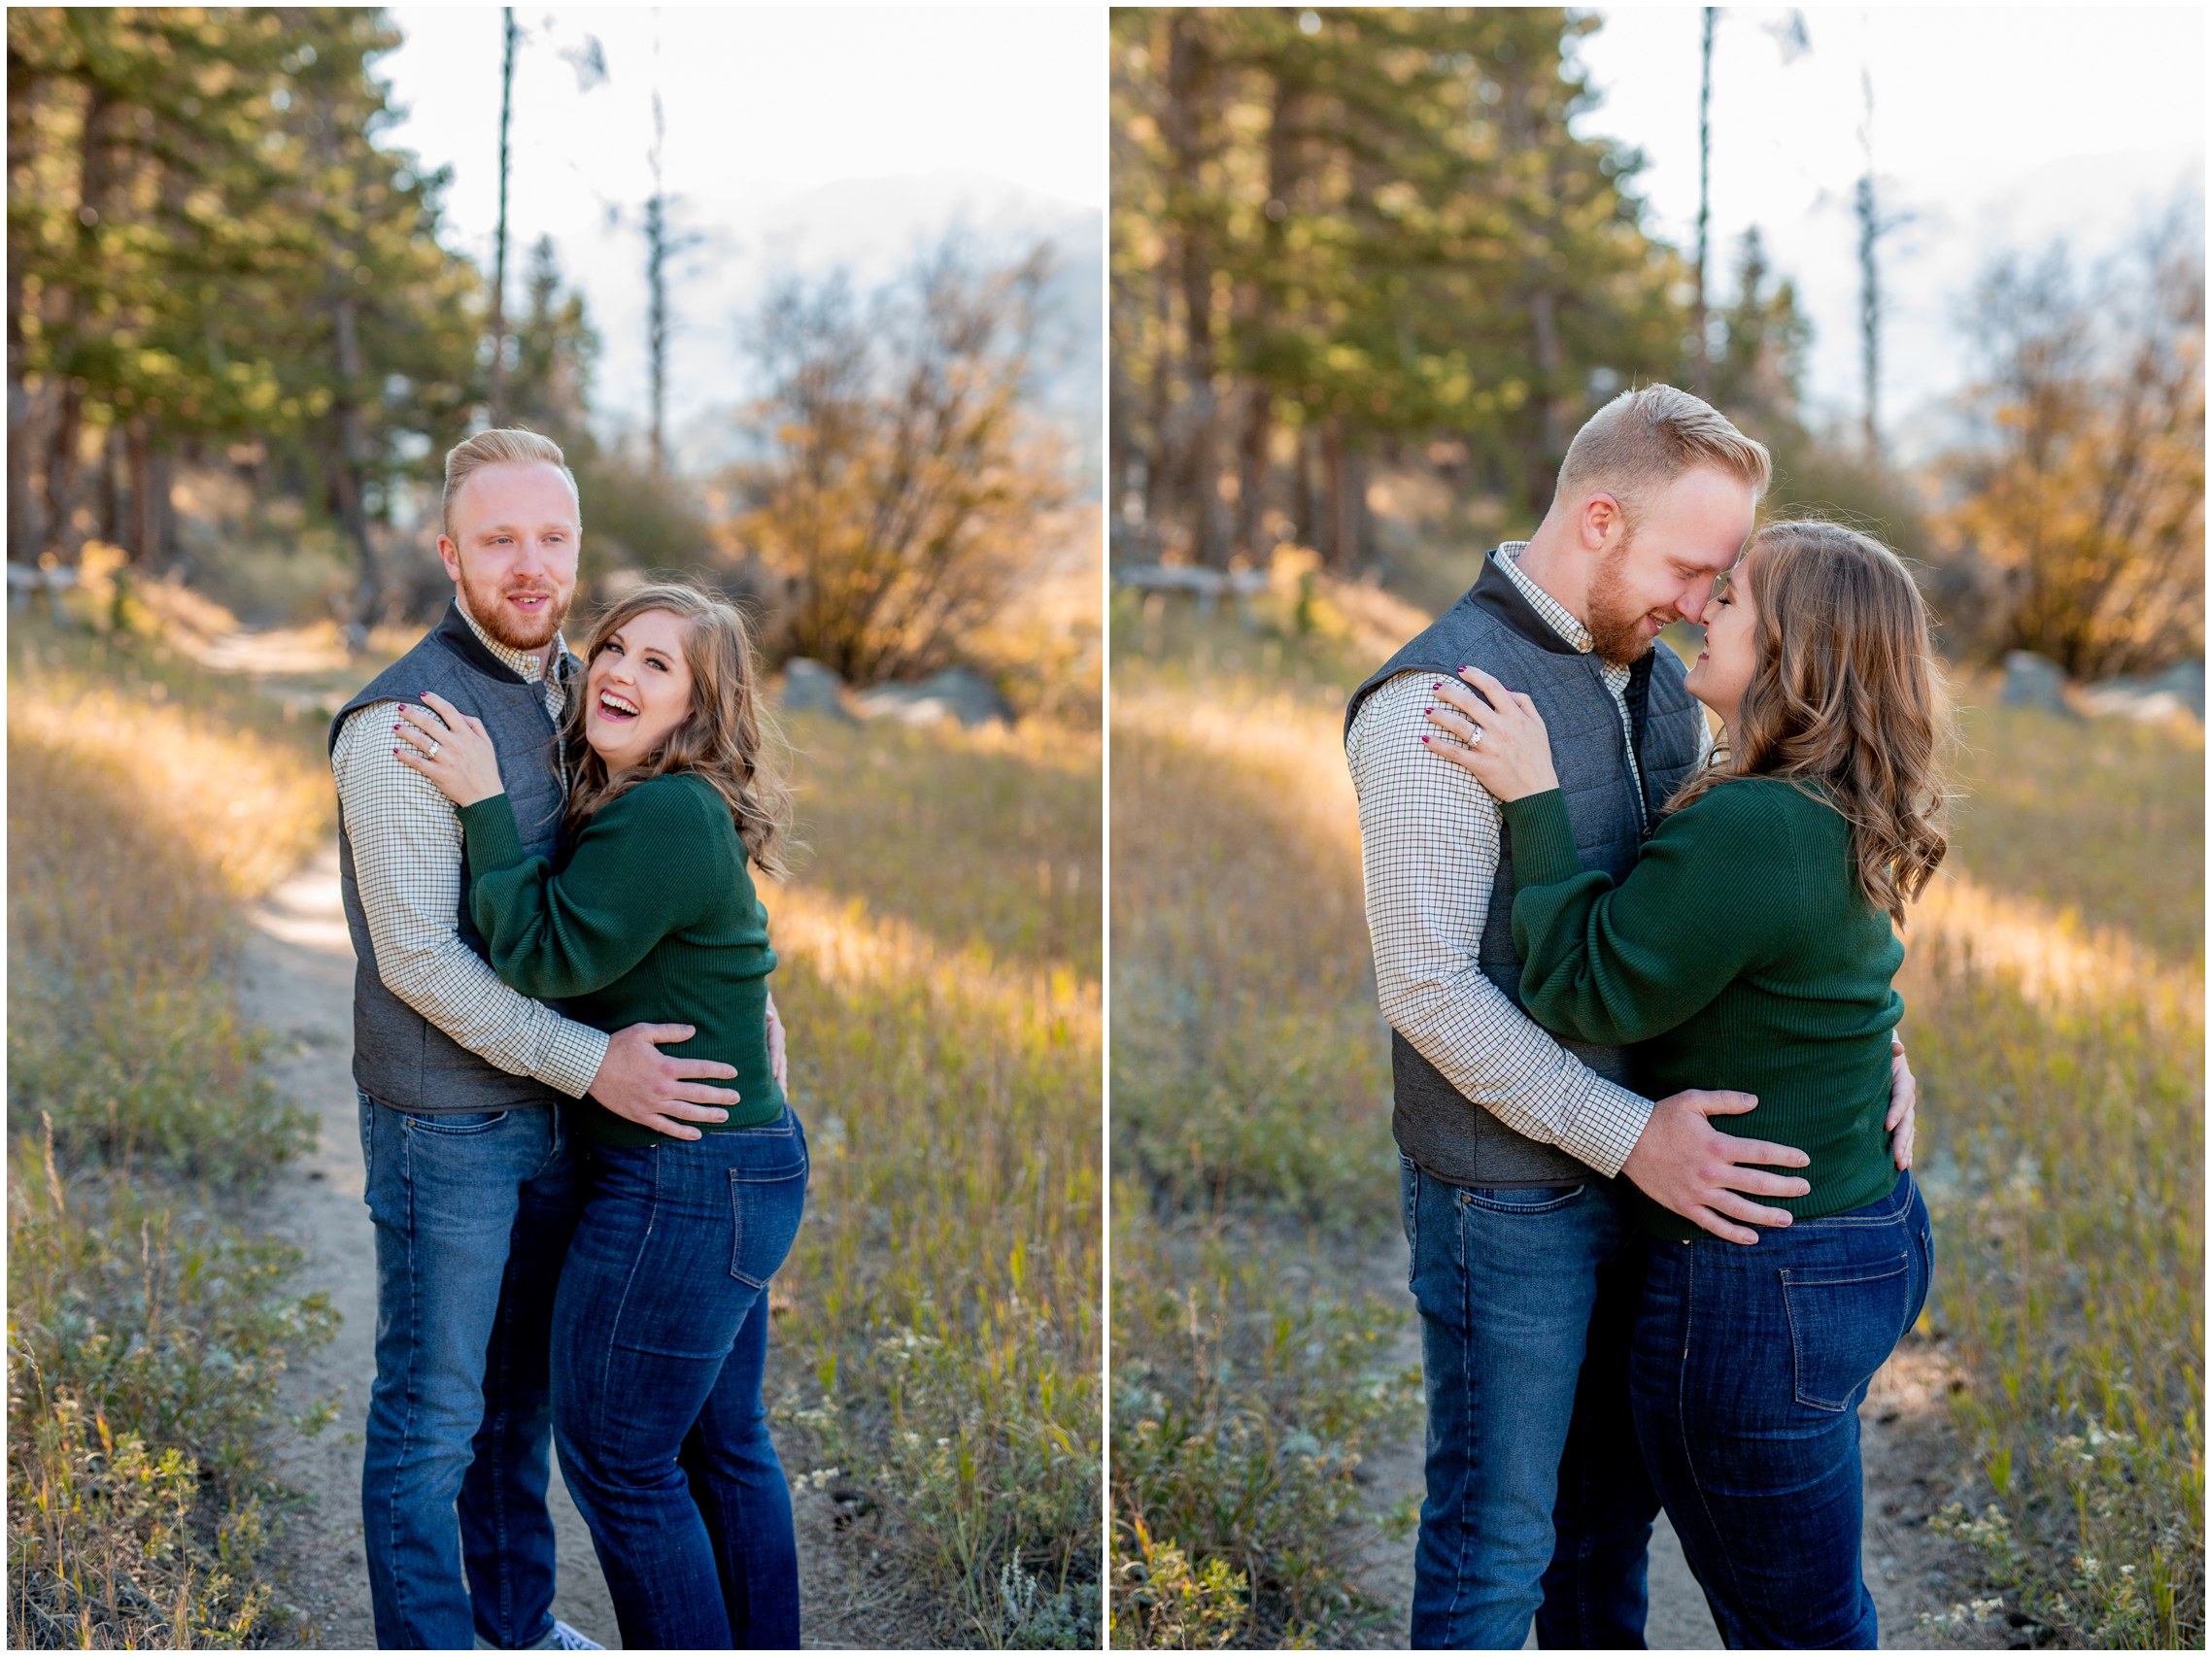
(659, 1335)
(1748, 1368)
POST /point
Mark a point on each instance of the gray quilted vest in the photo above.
(1495, 628)
(401, 1057)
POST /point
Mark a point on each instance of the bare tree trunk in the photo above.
(1202, 466)
(1254, 469)
(1120, 399)
(1701, 357)
(161, 520)
(1252, 472)
(1159, 481)
(23, 520)
(108, 493)
(95, 176)
(1869, 292)
(657, 281)
(1358, 521)
(1338, 551)
(497, 395)
(1303, 502)
(146, 502)
(1551, 363)
(368, 597)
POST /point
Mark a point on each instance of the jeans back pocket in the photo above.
(1519, 1200)
(767, 1195)
(1844, 1323)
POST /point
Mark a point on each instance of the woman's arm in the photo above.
(1711, 896)
(643, 868)
(1705, 900)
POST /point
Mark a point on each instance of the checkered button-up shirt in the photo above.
(1430, 839)
(407, 862)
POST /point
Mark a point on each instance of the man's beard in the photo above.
(484, 603)
(1616, 631)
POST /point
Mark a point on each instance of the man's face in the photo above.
(512, 551)
(1685, 535)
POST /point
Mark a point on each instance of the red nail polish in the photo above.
(1424, 739)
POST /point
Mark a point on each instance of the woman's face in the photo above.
(1723, 670)
(638, 688)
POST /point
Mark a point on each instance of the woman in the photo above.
(1751, 948)
(661, 1323)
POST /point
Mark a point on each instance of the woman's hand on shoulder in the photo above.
(451, 748)
(1497, 734)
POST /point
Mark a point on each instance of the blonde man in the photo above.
(471, 1181)
(1523, 1258)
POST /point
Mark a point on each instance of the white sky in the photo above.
(1991, 127)
(795, 137)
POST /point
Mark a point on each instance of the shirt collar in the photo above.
(529, 664)
(1562, 621)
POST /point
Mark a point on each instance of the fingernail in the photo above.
(1430, 709)
(1424, 739)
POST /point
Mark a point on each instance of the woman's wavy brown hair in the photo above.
(726, 739)
(1846, 694)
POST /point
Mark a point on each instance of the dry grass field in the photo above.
(2054, 994)
(937, 1346)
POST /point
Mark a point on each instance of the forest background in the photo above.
(242, 331)
(1371, 269)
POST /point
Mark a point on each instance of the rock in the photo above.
(810, 687)
(956, 693)
(2178, 690)
(2033, 681)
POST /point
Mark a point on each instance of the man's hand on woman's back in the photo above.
(642, 1084)
(1687, 1166)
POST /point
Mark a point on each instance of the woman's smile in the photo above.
(640, 689)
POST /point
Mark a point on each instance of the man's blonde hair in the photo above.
(1645, 439)
(501, 446)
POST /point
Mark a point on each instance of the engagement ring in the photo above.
(432, 754)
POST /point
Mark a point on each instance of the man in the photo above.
(1524, 1259)
(471, 1180)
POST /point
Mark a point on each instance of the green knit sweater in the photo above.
(1740, 952)
(649, 916)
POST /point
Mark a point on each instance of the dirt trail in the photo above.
(1904, 1564)
(296, 982)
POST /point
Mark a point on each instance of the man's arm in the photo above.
(1429, 843)
(407, 854)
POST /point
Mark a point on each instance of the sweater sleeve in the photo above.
(1713, 893)
(643, 868)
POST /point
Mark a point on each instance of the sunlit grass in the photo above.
(1252, 1151)
(939, 948)
(2055, 994)
(146, 1339)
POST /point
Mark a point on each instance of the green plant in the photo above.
(145, 1339)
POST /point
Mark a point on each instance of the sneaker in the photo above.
(560, 1638)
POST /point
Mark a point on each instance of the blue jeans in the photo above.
(661, 1333)
(1537, 1506)
(472, 1214)
(1750, 1365)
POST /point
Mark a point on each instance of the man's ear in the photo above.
(1600, 517)
(449, 555)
